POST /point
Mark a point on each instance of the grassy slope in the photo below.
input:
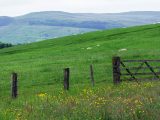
(51, 56)
(40, 65)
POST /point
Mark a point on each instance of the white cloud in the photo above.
(18, 7)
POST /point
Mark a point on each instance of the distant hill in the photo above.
(4, 21)
(52, 24)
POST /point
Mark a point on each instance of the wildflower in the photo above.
(136, 101)
(42, 94)
(151, 100)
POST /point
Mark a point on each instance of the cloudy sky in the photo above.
(20, 7)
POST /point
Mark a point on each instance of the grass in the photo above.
(104, 102)
(40, 68)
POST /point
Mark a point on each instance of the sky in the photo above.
(20, 7)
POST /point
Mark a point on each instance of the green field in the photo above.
(40, 68)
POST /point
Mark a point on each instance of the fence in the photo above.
(135, 70)
(18, 80)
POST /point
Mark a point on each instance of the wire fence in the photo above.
(36, 79)
(33, 80)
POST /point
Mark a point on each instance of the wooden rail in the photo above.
(141, 61)
(119, 66)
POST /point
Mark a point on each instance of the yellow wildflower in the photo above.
(42, 94)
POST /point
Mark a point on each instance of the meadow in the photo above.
(40, 76)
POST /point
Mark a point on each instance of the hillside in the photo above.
(40, 76)
(38, 26)
(48, 58)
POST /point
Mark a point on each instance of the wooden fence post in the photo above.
(92, 75)
(116, 69)
(66, 78)
(14, 85)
